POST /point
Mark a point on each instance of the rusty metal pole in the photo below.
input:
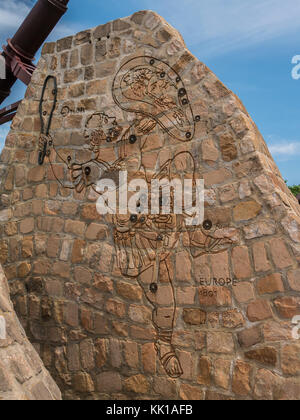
(20, 50)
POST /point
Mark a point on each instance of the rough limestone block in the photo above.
(22, 374)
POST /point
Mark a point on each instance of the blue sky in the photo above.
(249, 44)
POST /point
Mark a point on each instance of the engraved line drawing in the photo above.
(155, 94)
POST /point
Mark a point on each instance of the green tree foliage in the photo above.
(295, 189)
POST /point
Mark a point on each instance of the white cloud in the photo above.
(63, 30)
(219, 26)
(13, 12)
(285, 149)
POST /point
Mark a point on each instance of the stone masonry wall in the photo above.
(91, 321)
(22, 374)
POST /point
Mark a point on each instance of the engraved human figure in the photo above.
(144, 242)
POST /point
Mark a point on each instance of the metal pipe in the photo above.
(20, 50)
(37, 26)
(8, 113)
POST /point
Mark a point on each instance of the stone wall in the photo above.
(94, 317)
(22, 374)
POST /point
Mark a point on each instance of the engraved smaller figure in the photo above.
(156, 94)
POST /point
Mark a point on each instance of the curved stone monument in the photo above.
(140, 305)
